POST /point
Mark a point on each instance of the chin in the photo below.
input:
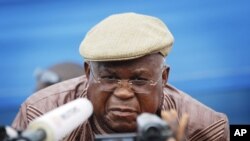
(121, 122)
(123, 127)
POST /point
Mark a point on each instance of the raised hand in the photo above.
(178, 126)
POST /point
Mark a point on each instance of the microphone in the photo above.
(150, 127)
(6, 132)
(59, 122)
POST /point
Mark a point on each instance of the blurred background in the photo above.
(210, 58)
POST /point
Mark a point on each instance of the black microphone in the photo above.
(7, 132)
(150, 127)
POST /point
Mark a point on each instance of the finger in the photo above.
(182, 127)
(166, 115)
(171, 118)
(171, 139)
(173, 114)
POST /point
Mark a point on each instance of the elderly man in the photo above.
(126, 76)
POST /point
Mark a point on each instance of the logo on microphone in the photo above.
(70, 112)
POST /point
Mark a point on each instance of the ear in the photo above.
(165, 74)
(87, 69)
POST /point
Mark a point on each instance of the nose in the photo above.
(124, 91)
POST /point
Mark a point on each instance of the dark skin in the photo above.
(117, 110)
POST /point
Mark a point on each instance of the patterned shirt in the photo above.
(204, 123)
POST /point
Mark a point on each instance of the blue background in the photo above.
(210, 58)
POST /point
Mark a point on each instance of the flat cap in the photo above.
(126, 36)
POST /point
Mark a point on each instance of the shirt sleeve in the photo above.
(20, 121)
(226, 136)
(218, 131)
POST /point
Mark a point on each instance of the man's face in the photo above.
(117, 105)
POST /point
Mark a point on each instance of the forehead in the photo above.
(148, 62)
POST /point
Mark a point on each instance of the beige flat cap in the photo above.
(126, 36)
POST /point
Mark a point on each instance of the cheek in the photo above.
(98, 99)
(150, 103)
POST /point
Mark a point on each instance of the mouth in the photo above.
(121, 118)
(123, 109)
(123, 112)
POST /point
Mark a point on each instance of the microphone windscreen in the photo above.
(63, 120)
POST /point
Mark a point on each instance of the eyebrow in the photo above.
(141, 71)
(138, 71)
(106, 70)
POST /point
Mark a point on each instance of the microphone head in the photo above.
(152, 128)
(63, 120)
(7, 132)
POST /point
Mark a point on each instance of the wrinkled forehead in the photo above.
(151, 61)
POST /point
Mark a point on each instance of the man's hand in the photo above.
(178, 128)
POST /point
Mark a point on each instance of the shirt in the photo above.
(204, 123)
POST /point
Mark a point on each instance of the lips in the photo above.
(122, 109)
(123, 112)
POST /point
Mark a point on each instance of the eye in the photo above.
(109, 79)
(139, 78)
(139, 81)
